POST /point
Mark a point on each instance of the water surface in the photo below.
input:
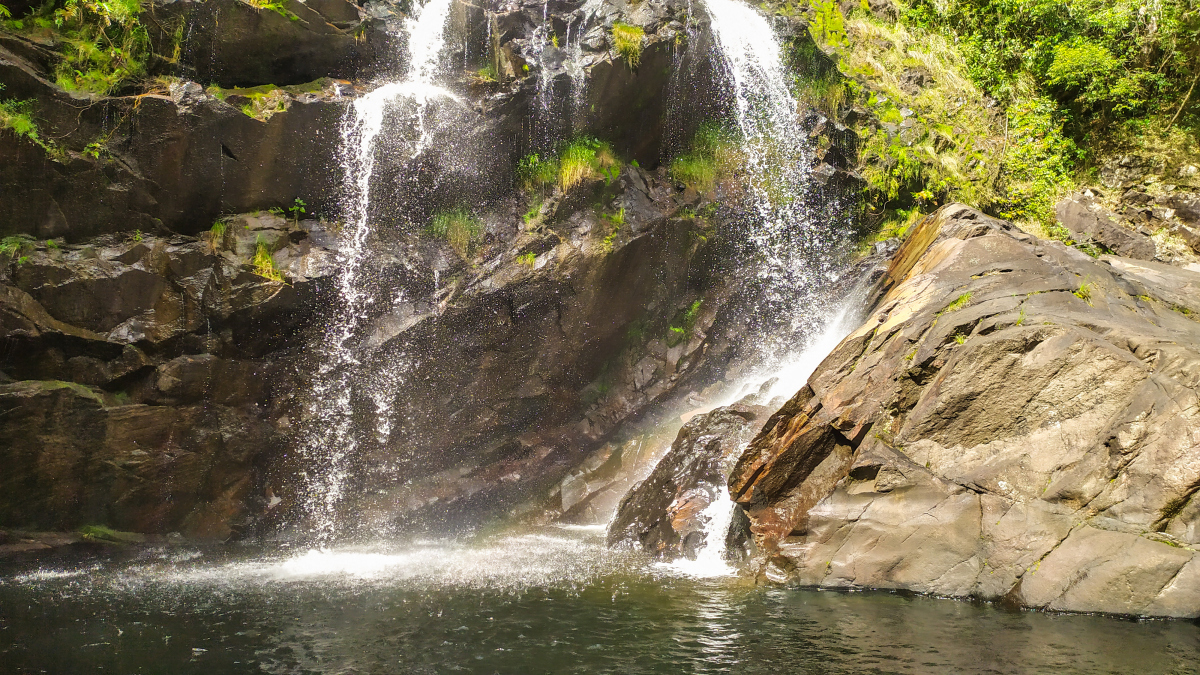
(553, 601)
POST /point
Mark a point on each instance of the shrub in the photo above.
(459, 228)
(104, 44)
(627, 40)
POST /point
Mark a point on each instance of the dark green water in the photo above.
(552, 602)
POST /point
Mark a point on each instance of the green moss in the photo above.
(460, 229)
(627, 40)
(527, 259)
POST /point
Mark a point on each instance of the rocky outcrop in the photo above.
(137, 379)
(1087, 221)
(664, 514)
(1015, 420)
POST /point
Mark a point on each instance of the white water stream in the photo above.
(329, 442)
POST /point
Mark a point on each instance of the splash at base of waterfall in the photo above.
(710, 560)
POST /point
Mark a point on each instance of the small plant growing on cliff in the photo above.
(584, 158)
(216, 234)
(527, 259)
(137, 237)
(535, 173)
(11, 246)
(713, 155)
(627, 40)
(617, 220)
(459, 228)
(264, 262)
(959, 302)
(1084, 292)
(17, 117)
(276, 6)
(681, 327)
(297, 210)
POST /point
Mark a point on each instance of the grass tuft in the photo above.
(461, 230)
(627, 40)
(264, 263)
(959, 302)
(714, 154)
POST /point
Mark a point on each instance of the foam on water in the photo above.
(710, 560)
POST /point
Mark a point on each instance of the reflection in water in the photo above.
(552, 601)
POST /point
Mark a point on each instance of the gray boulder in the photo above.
(1088, 221)
(1015, 420)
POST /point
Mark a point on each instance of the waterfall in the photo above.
(329, 441)
(710, 558)
(795, 249)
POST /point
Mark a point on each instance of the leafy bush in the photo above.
(459, 228)
(627, 40)
(1038, 166)
(104, 44)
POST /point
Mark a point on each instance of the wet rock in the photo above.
(1088, 221)
(663, 515)
(1014, 420)
(234, 44)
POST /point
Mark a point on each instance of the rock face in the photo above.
(1088, 221)
(1015, 420)
(663, 514)
(137, 379)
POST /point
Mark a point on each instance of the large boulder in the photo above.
(1014, 420)
(664, 514)
(1087, 221)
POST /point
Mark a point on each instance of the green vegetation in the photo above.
(1084, 292)
(713, 155)
(585, 158)
(627, 40)
(580, 159)
(104, 45)
(17, 117)
(527, 259)
(535, 174)
(460, 229)
(277, 6)
(959, 302)
(1005, 105)
(486, 74)
(264, 263)
(12, 246)
(297, 209)
(683, 324)
(216, 234)
(618, 221)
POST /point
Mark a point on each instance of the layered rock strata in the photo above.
(1015, 420)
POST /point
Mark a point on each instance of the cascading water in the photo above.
(330, 439)
(710, 558)
(795, 250)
